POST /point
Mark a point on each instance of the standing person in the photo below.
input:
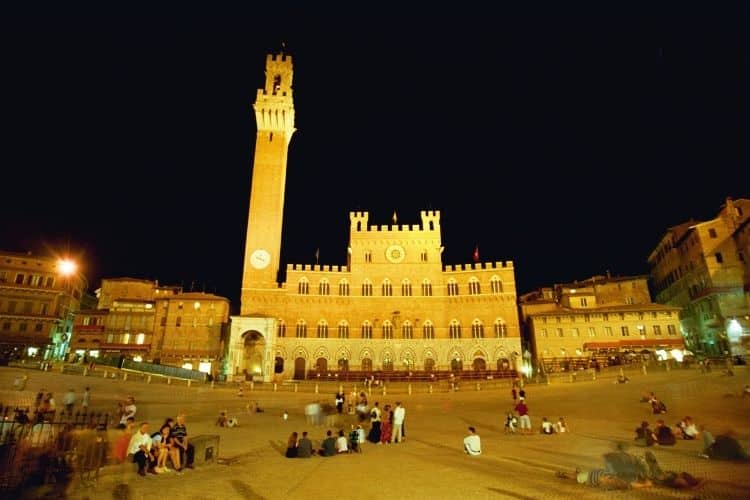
(375, 417)
(386, 425)
(399, 413)
(524, 421)
(514, 393)
(39, 399)
(69, 400)
(339, 402)
(86, 399)
(472, 443)
(522, 394)
(180, 434)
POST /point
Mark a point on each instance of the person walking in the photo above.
(69, 400)
(86, 399)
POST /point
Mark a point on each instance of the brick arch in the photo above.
(385, 352)
(366, 352)
(452, 354)
(343, 352)
(281, 351)
(301, 352)
(322, 352)
(479, 352)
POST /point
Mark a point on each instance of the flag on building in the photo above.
(475, 256)
(394, 218)
(317, 254)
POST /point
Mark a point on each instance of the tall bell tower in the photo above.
(274, 116)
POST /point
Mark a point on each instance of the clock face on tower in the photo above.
(394, 253)
(260, 259)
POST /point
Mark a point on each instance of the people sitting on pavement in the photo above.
(687, 428)
(342, 444)
(723, 447)
(328, 446)
(547, 427)
(644, 436)
(670, 479)
(658, 407)
(472, 443)
(561, 425)
(511, 422)
(663, 434)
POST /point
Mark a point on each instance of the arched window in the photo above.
(366, 330)
(474, 287)
(496, 285)
(281, 329)
(301, 328)
(368, 256)
(324, 288)
(428, 330)
(322, 329)
(457, 365)
(501, 329)
(366, 365)
(387, 330)
(387, 365)
(386, 288)
(426, 288)
(303, 287)
(406, 288)
(407, 330)
(455, 329)
(367, 288)
(344, 288)
(452, 287)
(343, 329)
(429, 364)
(343, 365)
(477, 329)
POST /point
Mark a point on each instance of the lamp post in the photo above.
(66, 268)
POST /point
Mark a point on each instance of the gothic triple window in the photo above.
(301, 329)
(367, 289)
(387, 288)
(344, 288)
(474, 287)
(366, 330)
(477, 329)
(387, 329)
(407, 330)
(303, 287)
(324, 287)
(406, 288)
(322, 329)
(426, 288)
(454, 329)
(281, 329)
(343, 330)
(428, 330)
(496, 285)
(452, 287)
(501, 329)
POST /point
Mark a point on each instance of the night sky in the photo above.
(567, 141)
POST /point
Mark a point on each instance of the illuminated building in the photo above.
(394, 306)
(702, 267)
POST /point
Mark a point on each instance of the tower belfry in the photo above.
(274, 117)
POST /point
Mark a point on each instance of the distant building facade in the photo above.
(702, 267)
(144, 320)
(37, 304)
(394, 306)
(603, 318)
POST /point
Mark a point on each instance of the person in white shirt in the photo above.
(140, 447)
(547, 426)
(472, 443)
(561, 426)
(128, 410)
(342, 444)
(399, 413)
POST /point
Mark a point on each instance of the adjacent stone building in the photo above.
(604, 318)
(38, 297)
(394, 306)
(144, 320)
(702, 267)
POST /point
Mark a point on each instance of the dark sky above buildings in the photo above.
(564, 140)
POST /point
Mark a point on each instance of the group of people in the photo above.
(152, 451)
(302, 447)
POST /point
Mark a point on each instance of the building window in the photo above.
(50, 282)
(38, 327)
(303, 287)
(455, 330)
(657, 330)
(586, 318)
(452, 287)
(386, 288)
(496, 286)
(301, 329)
(625, 331)
(423, 256)
(37, 280)
(281, 329)
(387, 330)
(19, 279)
(641, 331)
(671, 330)
(163, 321)
(343, 330)
(344, 288)
(428, 330)
(196, 305)
(366, 330)
(719, 258)
(179, 321)
(180, 305)
(367, 289)
(426, 288)
(605, 316)
(574, 332)
(474, 287)
(324, 288)
(368, 256)
(22, 327)
(322, 330)
(712, 232)
(140, 338)
(592, 331)
(407, 330)
(544, 332)
(406, 288)
(6, 326)
(608, 331)
(477, 329)
(584, 302)
(559, 332)
(501, 329)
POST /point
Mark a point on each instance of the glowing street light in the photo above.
(66, 267)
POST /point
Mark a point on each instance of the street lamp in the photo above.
(65, 268)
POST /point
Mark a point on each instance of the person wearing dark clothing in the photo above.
(291, 446)
(180, 436)
(664, 435)
(670, 479)
(328, 446)
(304, 447)
(644, 435)
(726, 447)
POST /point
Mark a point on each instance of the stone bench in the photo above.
(206, 448)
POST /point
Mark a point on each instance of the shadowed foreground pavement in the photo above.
(431, 463)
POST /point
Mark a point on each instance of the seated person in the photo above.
(561, 425)
(644, 435)
(724, 447)
(670, 479)
(658, 407)
(354, 439)
(547, 426)
(328, 446)
(511, 422)
(342, 444)
(222, 420)
(687, 427)
(472, 443)
(622, 379)
(663, 434)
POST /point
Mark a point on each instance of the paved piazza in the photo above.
(431, 463)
